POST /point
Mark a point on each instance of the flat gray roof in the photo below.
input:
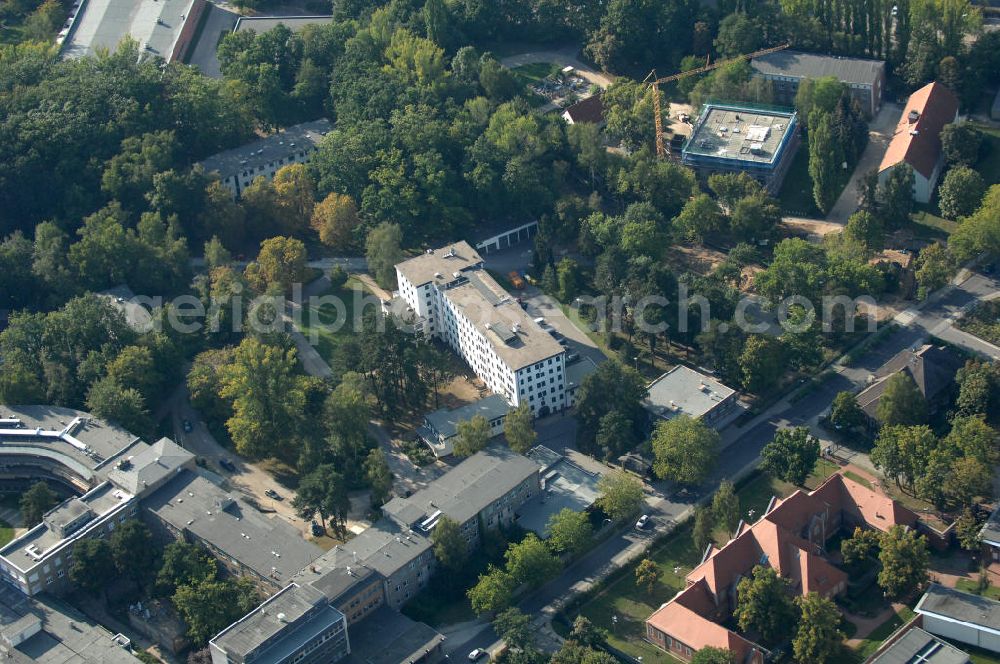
(445, 421)
(919, 647)
(739, 133)
(389, 637)
(150, 466)
(467, 489)
(335, 573)
(497, 317)
(796, 64)
(293, 603)
(567, 485)
(65, 432)
(155, 24)
(971, 609)
(265, 150)
(262, 24)
(446, 261)
(385, 548)
(269, 546)
(685, 391)
(65, 636)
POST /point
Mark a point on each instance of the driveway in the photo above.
(564, 57)
(879, 134)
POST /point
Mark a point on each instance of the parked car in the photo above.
(316, 529)
(476, 654)
(188, 427)
(271, 493)
(642, 522)
(515, 279)
(228, 465)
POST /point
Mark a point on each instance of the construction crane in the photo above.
(661, 148)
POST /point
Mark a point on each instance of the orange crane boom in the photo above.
(661, 148)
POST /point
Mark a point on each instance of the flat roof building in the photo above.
(684, 391)
(564, 484)
(39, 559)
(733, 138)
(297, 624)
(45, 631)
(163, 28)
(239, 167)
(962, 617)
(915, 646)
(389, 637)
(246, 541)
(786, 69)
(441, 426)
(458, 302)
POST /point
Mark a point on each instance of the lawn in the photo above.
(675, 556)
(882, 632)
(796, 195)
(528, 75)
(6, 532)
(983, 322)
(927, 225)
(327, 326)
(989, 156)
(970, 586)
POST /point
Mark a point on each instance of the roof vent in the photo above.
(913, 116)
(282, 617)
(914, 132)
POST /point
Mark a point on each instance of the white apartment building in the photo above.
(458, 302)
(239, 167)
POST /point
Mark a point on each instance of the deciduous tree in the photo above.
(904, 557)
(818, 638)
(726, 506)
(492, 593)
(473, 434)
(530, 561)
(335, 219)
(901, 402)
(569, 531)
(518, 429)
(450, 547)
(845, 413)
(764, 604)
(684, 449)
(382, 249)
(35, 502)
(647, 574)
(620, 496)
(791, 455)
(961, 192)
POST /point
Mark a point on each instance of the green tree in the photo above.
(514, 627)
(647, 574)
(904, 557)
(859, 550)
(968, 529)
(472, 436)
(335, 219)
(93, 566)
(568, 274)
(620, 495)
(550, 282)
(764, 604)
(280, 263)
(968, 478)
(895, 196)
(935, 267)
(704, 524)
(493, 592)
(184, 564)
(818, 638)
(125, 406)
(450, 547)
(824, 160)
(35, 502)
(378, 475)
(518, 429)
(133, 552)
(41, 24)
(961, 192)
(569, 531)
(684, 449)
(324, 492)
(791, 455)
(266, 395)
(901, 452)
(585, 632)
(960, 144)
(208, 607)
(296, 197)
(762, 362)
(216, 254)
(700, 218)
(726, 506)
(712, 655)
(980, 231)
(865, 230)
(845, 413)
(530, 561)
(901, 402)
(382, 249)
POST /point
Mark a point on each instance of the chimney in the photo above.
(913, 116)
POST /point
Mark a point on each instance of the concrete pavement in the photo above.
(879, 134)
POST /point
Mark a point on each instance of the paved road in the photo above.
(743, 453)
(879, 134)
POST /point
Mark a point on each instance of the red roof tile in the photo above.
(936, 106)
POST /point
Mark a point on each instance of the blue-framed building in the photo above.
(733, 138)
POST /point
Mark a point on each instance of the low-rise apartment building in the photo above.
(238, 167)
(787, 69)
(458, 302)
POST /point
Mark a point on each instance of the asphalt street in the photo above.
(743, 453)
